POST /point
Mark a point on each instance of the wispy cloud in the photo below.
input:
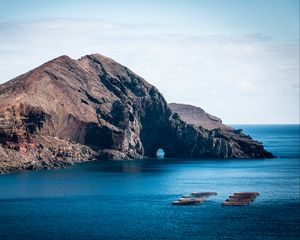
(242, 78)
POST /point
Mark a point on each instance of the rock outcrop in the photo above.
(67, 111)
(197, 116)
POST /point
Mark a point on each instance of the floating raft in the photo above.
(187, 201)
(240, 199)
(234, 197)
(246, 193)
(194, 198)
(208, 194)
(235, 203)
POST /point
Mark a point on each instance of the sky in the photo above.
(238, 60)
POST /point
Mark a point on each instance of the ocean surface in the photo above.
(132, 199)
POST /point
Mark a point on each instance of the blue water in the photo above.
(132, 199)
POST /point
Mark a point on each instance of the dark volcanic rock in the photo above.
(200, 119)
(69, 111)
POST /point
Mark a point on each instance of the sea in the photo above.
(132, 199)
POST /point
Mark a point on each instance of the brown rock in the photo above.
(197, 116)
(67, 111)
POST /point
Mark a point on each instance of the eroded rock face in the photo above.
(69, 111)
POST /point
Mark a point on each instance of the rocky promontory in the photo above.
(67, 111)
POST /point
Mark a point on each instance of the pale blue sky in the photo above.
(238, 59)
(276, 18)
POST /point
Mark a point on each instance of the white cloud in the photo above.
(242, 79)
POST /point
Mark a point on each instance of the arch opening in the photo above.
(160, 153)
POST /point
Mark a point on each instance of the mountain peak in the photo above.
(96, 57)
(58, 60)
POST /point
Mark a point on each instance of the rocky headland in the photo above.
(67, 111)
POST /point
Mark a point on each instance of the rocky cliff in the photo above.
(67, 111)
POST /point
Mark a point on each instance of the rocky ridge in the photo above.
(198, 117)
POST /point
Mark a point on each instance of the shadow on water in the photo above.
(127, 166)
(158, 165)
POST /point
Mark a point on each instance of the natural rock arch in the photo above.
(160, 153)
